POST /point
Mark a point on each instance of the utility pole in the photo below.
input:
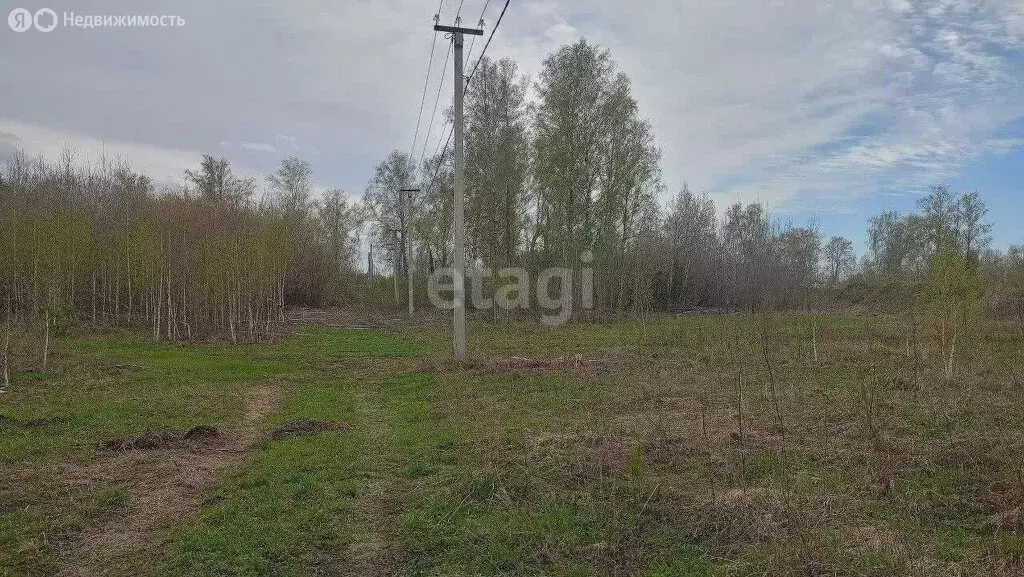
(407, 220)
(459, 320)
(369, 274)
(394, 260)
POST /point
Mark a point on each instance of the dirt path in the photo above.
(166, 486)
(374, 511)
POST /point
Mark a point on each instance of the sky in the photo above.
(824, 110)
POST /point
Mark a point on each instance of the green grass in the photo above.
(288, 503)
(110, 386)
(460, 528)
(633, 467)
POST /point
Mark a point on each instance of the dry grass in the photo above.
(841, 466)
(165, 488)
(685, 446)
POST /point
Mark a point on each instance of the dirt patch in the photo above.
(375, 509)
(124, 368)
(149, 440)
(306, 428)
(519, 365)
(166, 487)
(201, 432)
(14, 423)
(163, 439)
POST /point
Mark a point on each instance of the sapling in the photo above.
(773, 392)
(787, 485)
(814, 336)
(46, 339)
(7, 359)
(739, 413)
(707, 447)
(914, 347)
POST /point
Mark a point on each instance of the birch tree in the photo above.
(839, 259)
(497, 163)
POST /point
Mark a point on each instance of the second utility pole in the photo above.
(407, 222)
(459, 317)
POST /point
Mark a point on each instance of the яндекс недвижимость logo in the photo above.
(21, 19)
(45, 20)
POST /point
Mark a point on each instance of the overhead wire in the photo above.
(480, 23)
(437, 169)
(486, 46)
(440, 86)
(426, 81)
(437, 100)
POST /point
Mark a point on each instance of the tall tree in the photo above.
(340, 220)
(292, 185)
(596, 169)
(975, 232)
(497, 162)
(214, 182)
(569, 134)
(747, 242)
(433, 222)
(628, 181)
(839, 258)
(799, 254)
(690, 229)
(939, 214)
(383, 203)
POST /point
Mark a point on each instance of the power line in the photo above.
(437, 100)
(437, 148)
(480, 23)
(426, 81)
(440, 161)
(489, 38)
(440, 86)
(466, 89)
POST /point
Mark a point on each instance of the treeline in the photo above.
(747, 260)
(577, 173)
(212, 257)
(940, 251)
(571, 180)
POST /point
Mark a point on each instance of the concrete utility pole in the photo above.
(394, 257)
(369, 266)
(407, 219)
(459, 325)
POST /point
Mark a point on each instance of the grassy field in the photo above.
(718, 445)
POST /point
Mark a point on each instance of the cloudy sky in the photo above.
(831, 110)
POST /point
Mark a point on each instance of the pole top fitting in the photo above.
(457, 30)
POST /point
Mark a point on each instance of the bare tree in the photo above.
(383, 203)
(840, 259)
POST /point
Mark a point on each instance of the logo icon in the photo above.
(45, 20)
(19, 19)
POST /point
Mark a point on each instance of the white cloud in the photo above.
(258, 147)
(164, 165)
(161, 164)
(794, 103)
(790, 102)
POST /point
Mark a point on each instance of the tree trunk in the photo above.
(46, 340)
(159, 305)
(7, 358)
